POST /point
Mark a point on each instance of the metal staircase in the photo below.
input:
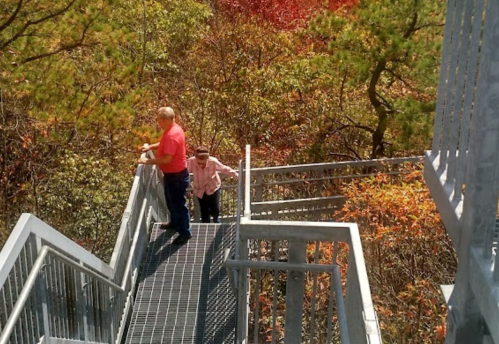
(53, 291)
(184, 294)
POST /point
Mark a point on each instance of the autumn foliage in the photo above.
(285, 14)
(407, 252)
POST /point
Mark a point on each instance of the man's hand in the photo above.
(145, 148)
(143, 161)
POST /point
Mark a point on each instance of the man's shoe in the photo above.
(180, 240)
(167, 226)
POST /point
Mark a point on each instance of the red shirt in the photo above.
(173, 143)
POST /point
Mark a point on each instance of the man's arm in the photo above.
(165, 159)
(147, 148)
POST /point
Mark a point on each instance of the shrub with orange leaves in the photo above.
(407, 252)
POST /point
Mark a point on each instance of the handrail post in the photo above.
(320, 183)
(247, 180)
(197, 208)
(43, 292)
(295, 286)
(83, 306)
(243, 297)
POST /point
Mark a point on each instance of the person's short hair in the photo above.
(202, 153)
(166, 112)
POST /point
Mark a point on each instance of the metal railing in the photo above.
(462, 120)
(54, 291)
(312, 191)
(461, 168)
(298, 192)
(281, 269)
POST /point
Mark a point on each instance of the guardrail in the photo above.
(313, 191)
(54, 291)
(282, 268)
(461, 168)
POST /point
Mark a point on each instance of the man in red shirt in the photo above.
(207, 183)
(171, 159)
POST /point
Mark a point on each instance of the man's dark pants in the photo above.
(210, 205)
(175, 185)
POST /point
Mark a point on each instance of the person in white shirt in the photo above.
(207, 183)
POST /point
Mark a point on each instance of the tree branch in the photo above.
(69, 47)
(13, 16)
(35, 22)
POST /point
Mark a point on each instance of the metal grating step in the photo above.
(184, 294)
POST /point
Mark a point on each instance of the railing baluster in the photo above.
(444, 70)
(58, 295)
(28, 312)
(17, 286)
(457, 91)
(64, 295)
(9, 304)
(475, 10)
(314, 295)
(36, 300)
(274, 296)
(257, 295)
(329, 331)
(295, 284)
(449, 110)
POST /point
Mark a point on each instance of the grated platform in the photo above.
(184, 294)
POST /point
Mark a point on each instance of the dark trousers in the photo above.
(175, 189)
(210, 206)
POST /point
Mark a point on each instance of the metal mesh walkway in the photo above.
(184, 294)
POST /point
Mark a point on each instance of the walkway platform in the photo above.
(184, 294)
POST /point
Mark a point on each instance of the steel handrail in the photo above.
(105, 276)
(30, 283)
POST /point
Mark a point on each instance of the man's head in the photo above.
(165, 117)
(202, 154)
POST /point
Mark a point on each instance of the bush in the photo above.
(85, 200)
(407, 252)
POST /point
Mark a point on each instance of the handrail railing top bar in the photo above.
(28, 224)
(271, 265)
(247, 179)
(131, 200)
(300, 200)
(331, 165)
(294, 230)
(316, 179)
(130, 258)
(340, 304)
(301, 224)
(369, 313)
